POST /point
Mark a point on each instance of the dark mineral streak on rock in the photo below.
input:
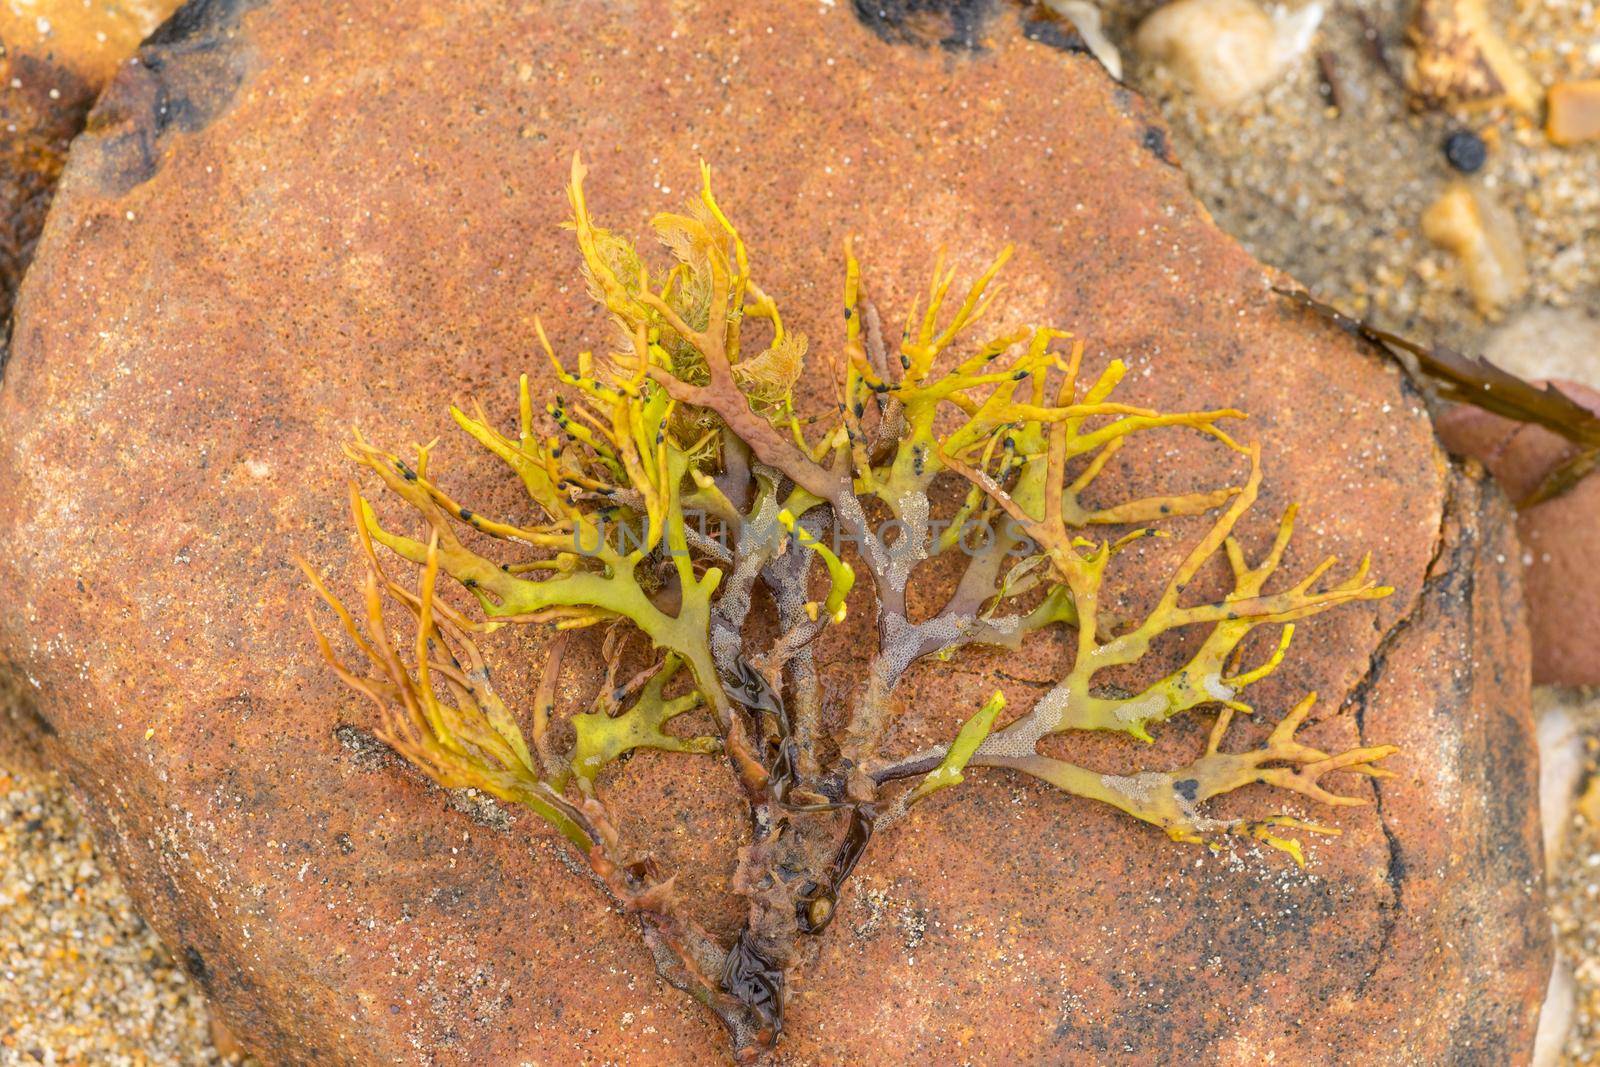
(956, 25)
(961, 25)
(194, 964)
(1056, 32)
(1155, 141)
(186, 73)
(201, 19)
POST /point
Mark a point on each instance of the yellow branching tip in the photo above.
(968, 738)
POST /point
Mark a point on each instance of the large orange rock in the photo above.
(354, 221)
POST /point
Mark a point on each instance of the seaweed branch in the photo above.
(677, 491)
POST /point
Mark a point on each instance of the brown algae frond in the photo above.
(676, 476)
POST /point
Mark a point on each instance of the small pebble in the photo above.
(1460, 57)
(1574, 112)
(1226, 50)
(1483, 236)
(1465, 151)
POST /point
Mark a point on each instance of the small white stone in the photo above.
(1226, 50)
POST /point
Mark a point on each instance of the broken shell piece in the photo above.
(1458, 58)
(1482, 234)
(1226, 50)
(1085, 18)
(1574, 112)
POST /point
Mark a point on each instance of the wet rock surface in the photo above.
(357, 230)
(1560, 545)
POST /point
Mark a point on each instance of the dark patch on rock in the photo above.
(1155, 141)
(1055, 32)
(199, 19)
(481, 808)
(955, 25)
(370, 754)
(960, 25)
(194, 965)
(184, 76)
(447, 896)
(36, 719)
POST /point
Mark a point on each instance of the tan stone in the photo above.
(356, 227)
(1574, 115)
(1458, 57)
(1224, 50)
(1482, 234)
